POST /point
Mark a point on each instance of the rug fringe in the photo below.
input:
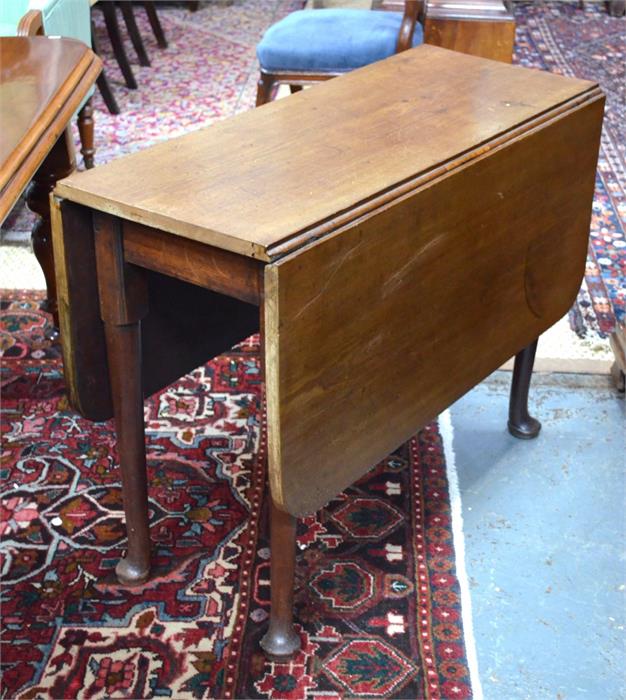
(447, 434)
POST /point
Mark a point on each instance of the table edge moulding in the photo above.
(246, 171)
(49, 122)
(43, 82)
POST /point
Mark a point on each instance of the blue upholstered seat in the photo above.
(330, 41)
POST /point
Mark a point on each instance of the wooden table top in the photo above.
(42, 83)
(272, 179)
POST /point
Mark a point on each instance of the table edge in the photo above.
(299, 238)
(30, 152)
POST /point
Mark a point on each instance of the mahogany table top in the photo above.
(240, 184)
(43, 80)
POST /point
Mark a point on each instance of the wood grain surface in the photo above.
(43, 80)
(216, 269)
(378, 327)
(252, 183)
(478, 27)
(489, 39)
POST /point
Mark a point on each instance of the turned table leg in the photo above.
(86, 131)
(123, 303)
(521, 424)
(58, 163)
(281, 641)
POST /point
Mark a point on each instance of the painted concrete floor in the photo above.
(545, 532)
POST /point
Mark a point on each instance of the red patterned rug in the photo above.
(377, 602)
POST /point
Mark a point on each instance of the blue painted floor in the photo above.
(545, 533)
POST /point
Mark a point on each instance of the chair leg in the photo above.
(521, 424)
(113, 28)
(281, 642)
(86, 131)
(133, 31)
(264, 89)
(123, 303)
(155, 23)
(107, 93)
(102, 81)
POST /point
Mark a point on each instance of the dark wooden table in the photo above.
(43, 81)
(396, 234)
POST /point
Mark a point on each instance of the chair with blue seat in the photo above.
(312, 45)
(66, 18)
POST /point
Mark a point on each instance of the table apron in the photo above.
(207, 266)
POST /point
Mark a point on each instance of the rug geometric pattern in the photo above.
(377, 598)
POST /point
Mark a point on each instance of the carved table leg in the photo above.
(58, 163)
(86, 129)
(281, 641)
(521, 424)
(123, 303)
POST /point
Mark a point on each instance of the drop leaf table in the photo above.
(396, 234)
(43, 82)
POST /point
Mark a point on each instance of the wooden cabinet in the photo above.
(478, 27)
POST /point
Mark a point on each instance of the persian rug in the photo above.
(377, 592)
(583, 40)
(209, 72)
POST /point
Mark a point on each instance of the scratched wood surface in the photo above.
(374, 330)
(280, 175)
